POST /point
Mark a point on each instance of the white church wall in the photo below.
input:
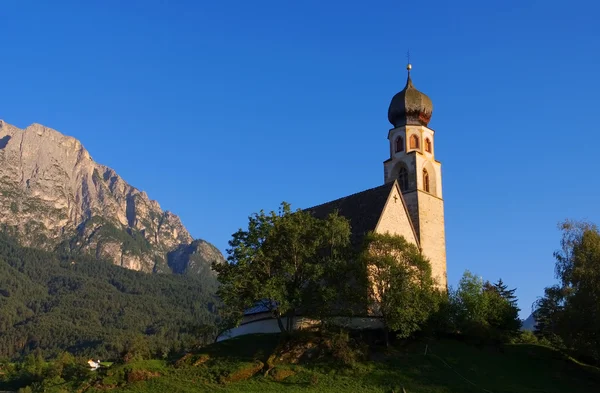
(270, 325)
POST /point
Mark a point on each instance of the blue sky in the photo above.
(219, 109)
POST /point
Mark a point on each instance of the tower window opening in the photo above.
(428, 145)
(425, 180)
(399, 144)
(414, 142)
(403, 179)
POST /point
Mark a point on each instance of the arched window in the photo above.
(403, 179)
(425, 180)
(414, 142)
(399, 144)
(428, 145)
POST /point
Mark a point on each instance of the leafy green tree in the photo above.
(571, 310)
(469, 301)
(283, 262)
(502, 316)
(548, 314)
(479, 310)
(136, 348)
(398, 283)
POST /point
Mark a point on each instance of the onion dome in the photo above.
(410, 106)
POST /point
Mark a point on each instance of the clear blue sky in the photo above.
(220, 108)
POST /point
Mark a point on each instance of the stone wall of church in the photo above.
(432, 234)
(412, 204)
(426, 209)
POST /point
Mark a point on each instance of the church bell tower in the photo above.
(412, 162)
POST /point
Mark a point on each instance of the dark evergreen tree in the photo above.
(504, 292)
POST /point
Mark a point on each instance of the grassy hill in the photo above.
(448, 366)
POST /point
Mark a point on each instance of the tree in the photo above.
(571, 310)
(547, 312)
(282, 263)
(502, 289)
(398, 283)
(479, 311)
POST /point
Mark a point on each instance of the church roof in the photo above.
(362, 209)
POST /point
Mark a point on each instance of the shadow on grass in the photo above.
(244, 348)
(449, 366)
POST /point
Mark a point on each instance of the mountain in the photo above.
(54, 196)
(529, 323)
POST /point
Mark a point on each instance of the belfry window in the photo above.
(414, 142)
(403, 179)
(399, 144)
(428, 145)
(425, 180)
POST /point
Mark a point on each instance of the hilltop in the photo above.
(241, 364)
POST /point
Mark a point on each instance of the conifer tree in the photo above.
(504, 292)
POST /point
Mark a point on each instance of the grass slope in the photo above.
(449, 366)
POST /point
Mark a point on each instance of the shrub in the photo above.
(526, 337)
(344, 349)
(314, 380)
(203, 358)
(244, 372)
(279, 374)
(141, 375)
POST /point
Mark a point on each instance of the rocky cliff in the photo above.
(54, 196)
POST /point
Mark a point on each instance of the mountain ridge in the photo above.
(54, 196)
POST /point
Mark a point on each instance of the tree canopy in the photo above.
(570, 310)
(93, 308)
(483, 311)
(398, 283)
(286, 261)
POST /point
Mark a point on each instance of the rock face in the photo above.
(54, 196)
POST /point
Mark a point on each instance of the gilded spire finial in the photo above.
(408, 68)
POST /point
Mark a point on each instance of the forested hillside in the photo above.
(51, 304)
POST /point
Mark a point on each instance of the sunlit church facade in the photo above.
(409, 203)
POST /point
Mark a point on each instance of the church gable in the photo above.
(395, 218)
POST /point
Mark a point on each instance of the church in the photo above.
(409, 203)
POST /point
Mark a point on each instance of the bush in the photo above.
(526, 337)
(244, 372)
(141, 375)
(341, 348)
(279, 374)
